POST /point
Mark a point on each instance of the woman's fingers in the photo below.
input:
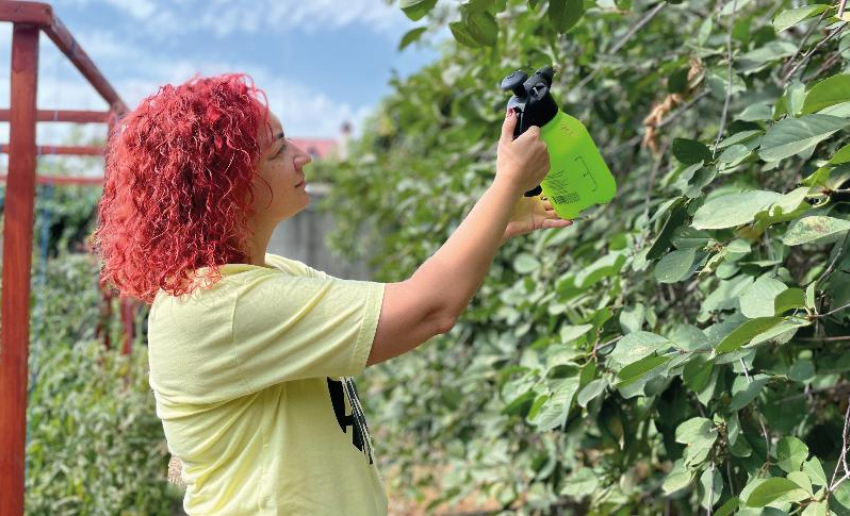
(556, 223)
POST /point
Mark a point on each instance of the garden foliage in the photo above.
(684, 348)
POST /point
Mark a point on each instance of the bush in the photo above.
(683, 348)
(95, 445)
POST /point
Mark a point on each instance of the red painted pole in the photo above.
(17, 260)
(65, 115)
(63, 180)
(128, 309)
(63, 150)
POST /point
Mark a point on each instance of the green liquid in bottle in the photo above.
(578, 177)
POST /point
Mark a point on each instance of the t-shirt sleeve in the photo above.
(294, 327)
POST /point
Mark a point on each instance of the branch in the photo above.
(825, 339)
(842, 460)
(652, 174)
(828, 63)
(813, 50)
(682, 110)
(625, 39)
(841, 7)
(840, 308)
(729, 81)
(637, 26)
(761, 421)
(685, 107)
(836, 387)
(809, 32)
(834, 261)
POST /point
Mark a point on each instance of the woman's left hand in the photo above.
(530, 214)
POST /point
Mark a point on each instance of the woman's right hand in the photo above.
(523, 162)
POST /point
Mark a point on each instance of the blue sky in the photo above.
(321, 62)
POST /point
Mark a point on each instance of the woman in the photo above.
(251, 354)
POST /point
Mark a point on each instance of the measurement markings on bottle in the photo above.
(566, 199)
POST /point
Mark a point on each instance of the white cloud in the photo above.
(303, 111)
(226, 17)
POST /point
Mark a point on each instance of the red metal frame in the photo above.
(60, 150)
(30, 19)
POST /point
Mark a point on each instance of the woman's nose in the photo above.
(302, 159)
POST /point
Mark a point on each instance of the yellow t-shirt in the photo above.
(252, 383)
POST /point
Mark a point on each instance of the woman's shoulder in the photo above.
(294, 267)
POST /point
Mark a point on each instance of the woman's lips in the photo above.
(302, 183)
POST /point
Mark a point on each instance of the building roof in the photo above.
(319, 148)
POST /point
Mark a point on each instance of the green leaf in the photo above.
(810, 295)
(773, 489)
(830, 91)
(712, 486)
(802, 370)
(564, 14)
(756, 112)
(690, 152)
(637, 345)
(820, 508)
(608, 265)
(591, 391)
(787, 19)
(732, 210)
(842, 155)
(792, 135)
(569, 333)
(555, 409)
(581, 483)
(744, 333)
(678, 215)
(791, 453)
(704, 30)
(410, 37)
(761, 57)
(678, 478)
(699, 434)
(758, 299)
(482, 27)
(689, 337)
(734, 155)
(745, 391)
(675, 266)
(783, 331)
(795, 94)
(814, 470)
(814, 227)
(461, 34)
(633, 372)
(697, 373)
(728, 508)
(525, 263)
(788, 300)
(695, 429)
(416, 9)
(677, 81)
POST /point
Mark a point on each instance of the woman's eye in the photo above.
(280, 152)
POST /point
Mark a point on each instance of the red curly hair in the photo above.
(177, 192)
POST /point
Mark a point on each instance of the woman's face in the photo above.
(281, 165)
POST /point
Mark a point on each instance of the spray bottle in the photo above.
(578, 177)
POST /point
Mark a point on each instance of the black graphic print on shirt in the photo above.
(356, 420)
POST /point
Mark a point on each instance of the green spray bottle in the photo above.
(578, 177)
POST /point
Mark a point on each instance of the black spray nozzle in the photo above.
(532, 102)
(547, 73)
(515, 83)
